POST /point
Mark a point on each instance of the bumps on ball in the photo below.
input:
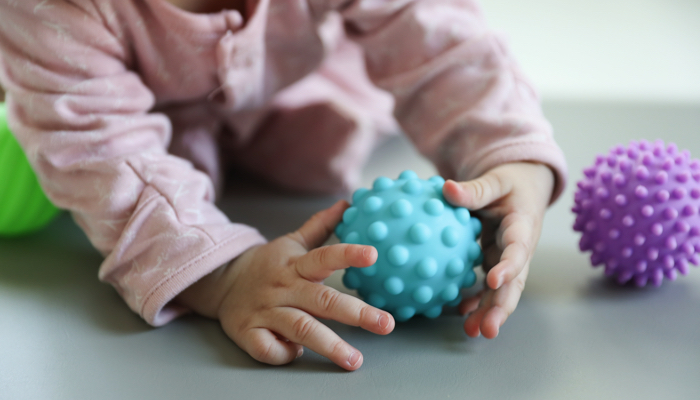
(427, 247)
(637, 211)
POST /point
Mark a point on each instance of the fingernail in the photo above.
(499, 281)
(383, 321)
(459, 188)
(354, 358)
(300, 352)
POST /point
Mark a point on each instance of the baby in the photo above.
(131, 111)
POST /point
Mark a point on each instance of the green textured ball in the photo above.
(24, 208)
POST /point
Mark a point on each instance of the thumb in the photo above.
(320, 226)
(477, 193)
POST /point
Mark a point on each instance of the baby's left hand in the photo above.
(511, 200)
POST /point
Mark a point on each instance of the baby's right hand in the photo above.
(272, 293)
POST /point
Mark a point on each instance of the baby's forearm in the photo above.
(206, 295)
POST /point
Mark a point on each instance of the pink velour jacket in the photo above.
(129, 111)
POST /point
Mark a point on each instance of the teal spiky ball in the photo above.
(427, 247)
(24, 207)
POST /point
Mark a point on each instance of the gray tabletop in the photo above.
(64, 335)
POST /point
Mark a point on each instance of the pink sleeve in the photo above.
(83, 119)
(459, 93)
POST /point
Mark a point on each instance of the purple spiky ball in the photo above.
(637, 210)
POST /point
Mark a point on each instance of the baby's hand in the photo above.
(267, 298)
(511, 201)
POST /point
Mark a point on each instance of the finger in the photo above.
(518, 246)
(470, 304)
(269, 348)
(509, 294)
(492, 320)
(477, 193)
(306, 330)
(319, 264)
(328, 303)
(472, 325)
(320, 226)
(505, 300)
(495, 308)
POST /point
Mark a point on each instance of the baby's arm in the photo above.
(83, 116)
(267, 299)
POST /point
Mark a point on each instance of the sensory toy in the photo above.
(427, 247)
(637, 211)
(23, 206)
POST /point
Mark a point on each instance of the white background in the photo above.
(626, 50)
